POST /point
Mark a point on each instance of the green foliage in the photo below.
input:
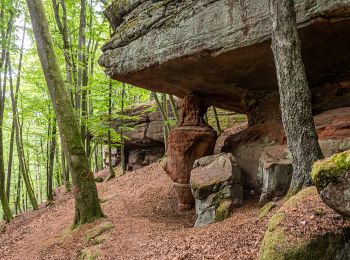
(34, 106)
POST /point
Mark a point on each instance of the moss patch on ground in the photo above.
(330, 170)
(89, 253)
(93, 235)
(266, 209)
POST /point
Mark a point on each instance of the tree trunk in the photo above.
(87, 206)
(174, 108)
(217, 121)
(122, 147)
(52, 149)
(295, 96)
(110, 166)
(4, 200)
(10, 160)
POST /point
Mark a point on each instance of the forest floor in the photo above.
(141, 223)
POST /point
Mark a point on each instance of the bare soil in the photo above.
(142, 223)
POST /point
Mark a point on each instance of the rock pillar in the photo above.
(192, 139)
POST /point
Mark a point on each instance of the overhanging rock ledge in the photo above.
(221, 50)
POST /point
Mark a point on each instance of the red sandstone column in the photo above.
(189, 141)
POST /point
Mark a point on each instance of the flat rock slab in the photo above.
(221, 48)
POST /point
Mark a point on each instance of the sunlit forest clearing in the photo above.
(174, 129)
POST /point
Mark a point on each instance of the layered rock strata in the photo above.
(221, 50)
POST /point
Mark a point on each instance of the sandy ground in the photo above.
(143, 224)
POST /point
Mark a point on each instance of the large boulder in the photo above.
(221, 49)
(332, 179)
(275, 175)
(216, 183)
(304, 228)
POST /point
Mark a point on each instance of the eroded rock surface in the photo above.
(216, 183)
(332, 179)
(275, 176)
(249, 145)
(189, 141)
(221, 49)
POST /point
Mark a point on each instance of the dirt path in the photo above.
(142, 224)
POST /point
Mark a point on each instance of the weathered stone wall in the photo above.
(221, 49)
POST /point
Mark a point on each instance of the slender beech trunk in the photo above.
(165, 129)
(217, 121)
(174, 108)
(166, 126)
(101, 156)
(87, 206)
(110, 166)
(5, 40)
(122, 147)
(295, 96)
(19, 143)
(10, 160)
(52, 149)
(97, 168)
(18, 193)
(4, 200)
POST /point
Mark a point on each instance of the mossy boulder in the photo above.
(330, 170)
(216, 184)
(280, 243)
(332, 179)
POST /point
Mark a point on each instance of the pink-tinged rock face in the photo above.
(191, 140)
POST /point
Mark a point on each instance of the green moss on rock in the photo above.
(223, 211)
(278, 245)
(330, 170)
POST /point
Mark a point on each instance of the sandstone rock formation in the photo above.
(332, 179)
(274, 175)
(216, 183)
(221, 50)
(144, 142)
(189, 141)
(249, 145)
